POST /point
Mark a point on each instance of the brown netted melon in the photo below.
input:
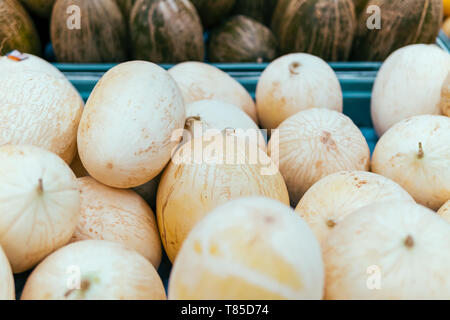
(42, 8)
(97, 33)
(324, 28)
(164, 31)
(17, 30)
(213, 12)
(242, 39)
(260, 10)
(403, 22)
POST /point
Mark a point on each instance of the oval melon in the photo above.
(17, 30)
(90, 37)
(42, 8)
(402, 23)
(260, 10)
(129, 126)
(242, 39)
(213, 11)
(165, 31)
(324, 28)
(201, 81)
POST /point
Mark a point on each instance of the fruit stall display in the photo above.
(220, 31)
(133, 168)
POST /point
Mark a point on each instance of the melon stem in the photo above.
(293, 68)
(190, 120)
(331, 223)
(409, 242)
(40, 188)
(420, 154)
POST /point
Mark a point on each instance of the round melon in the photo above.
(207, 172)
(393, 250)
(213, 11)
(96, 32)
(17, 30)
(415, 153)
(117, 215)
(39, 107)
(39, 204)
(207, 116)
(444, 211)
(7, 290)
(249, 249)
(401, 23)
(260, 10)
(242, 39)
(324, 28)
(94, 270)
(315, 143)
(201, 81)
(126, 133)
(293, 83)
(166, 31)
(409, 83)
(336, 196)
(42, 8)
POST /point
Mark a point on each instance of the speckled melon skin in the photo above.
(166, 31)
(403, 23)
(250, 248)
(242, 39)
(324, 28)
(42, 8)
(17, 30)
(99, 39)
(39, 109)
(213, 11)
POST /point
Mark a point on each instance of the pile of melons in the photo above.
(299, 218)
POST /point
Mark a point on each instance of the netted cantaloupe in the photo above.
(242, 39)
(166, 31)
(17, 31)
(324, 28)
(86, 31)
(402, 22)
